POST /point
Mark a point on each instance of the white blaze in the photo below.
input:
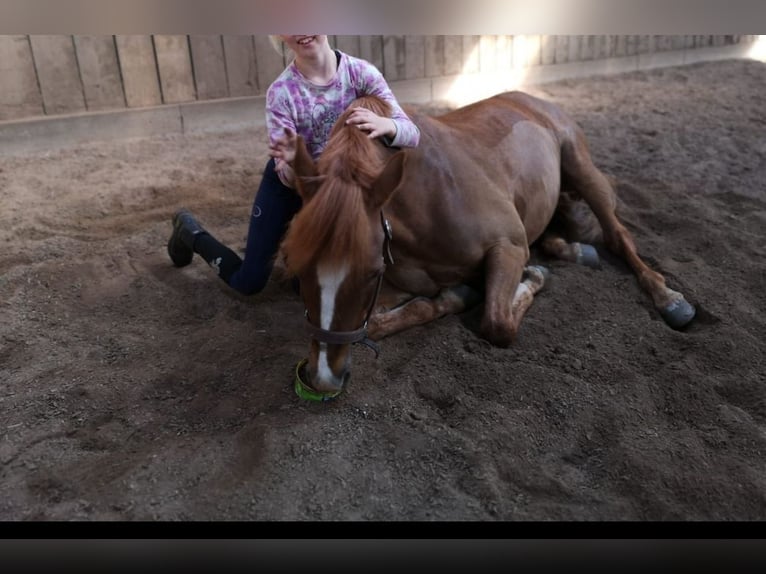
(330, 280)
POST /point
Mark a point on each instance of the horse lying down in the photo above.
(388, 239)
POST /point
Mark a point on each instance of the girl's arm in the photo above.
(279, 121)
(371, 82)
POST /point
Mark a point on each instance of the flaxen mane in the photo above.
(333, 223)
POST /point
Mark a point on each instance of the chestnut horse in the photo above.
(443, 225)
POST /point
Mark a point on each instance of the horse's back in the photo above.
(501, 138)
(488, 121)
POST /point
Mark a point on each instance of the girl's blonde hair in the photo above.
(279, 45)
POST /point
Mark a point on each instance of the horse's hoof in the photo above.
(544, 271)
(679, 313)
(587, 255)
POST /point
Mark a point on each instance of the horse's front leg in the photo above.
(420, 310)
(507, 296)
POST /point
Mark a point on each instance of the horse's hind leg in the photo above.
(595, 189)
(574, 252)
(575, 221)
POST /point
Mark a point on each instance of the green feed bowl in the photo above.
(304, 391)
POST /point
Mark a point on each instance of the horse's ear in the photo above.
(387, 181)
(306, 171)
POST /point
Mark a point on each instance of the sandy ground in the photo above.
(132, 390)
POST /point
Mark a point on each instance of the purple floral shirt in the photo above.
(311, 111)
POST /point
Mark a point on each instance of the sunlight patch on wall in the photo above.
(758, 51)
(487, 72)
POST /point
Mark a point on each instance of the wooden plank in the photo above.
(100, 72)
(349, 45)
(241, 75)
(504, 53)
(175, 68)
(588, 47)
(527, 50)
(269, 63)
(453, 55)
(435, 61)
(371, 49)
(678, 42)
(645, 44)
(619, 44)
(209, 65)
(562, 49)
(471, 54)
(57, 72)
(395, 58)
(548, 50)
(662, 43)
(604, 47)
(536, 49)
(19, 92)
(575, 48)
(139, 71)
(415, 59)
(670, 42)
(488, 54)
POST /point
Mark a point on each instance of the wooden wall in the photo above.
(51, 75)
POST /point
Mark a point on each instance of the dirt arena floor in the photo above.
(132, 390)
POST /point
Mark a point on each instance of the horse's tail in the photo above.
(574, 219)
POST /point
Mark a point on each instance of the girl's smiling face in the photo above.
(305, 44)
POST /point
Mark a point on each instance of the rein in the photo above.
(359, 335)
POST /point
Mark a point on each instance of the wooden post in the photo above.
(139, 71)
(100, 72)
(58, 74)
(175, 69)
(241, 73)
(209, 65)
(19, 93)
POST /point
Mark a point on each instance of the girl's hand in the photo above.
(373, 124)
(284, 148)
(285, 173)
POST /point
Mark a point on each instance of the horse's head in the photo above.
(335, 244)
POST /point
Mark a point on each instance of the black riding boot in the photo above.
(189, 237)
(181, 242)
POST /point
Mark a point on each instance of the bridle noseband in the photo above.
(359, 335)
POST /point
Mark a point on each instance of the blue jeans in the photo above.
(274, 206)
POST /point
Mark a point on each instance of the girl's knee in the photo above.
(249, 285)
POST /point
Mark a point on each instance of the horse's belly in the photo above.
(541, 200)
(534, 158)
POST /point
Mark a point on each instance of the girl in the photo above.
(307, 98)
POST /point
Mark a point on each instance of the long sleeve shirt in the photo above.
(311, 110)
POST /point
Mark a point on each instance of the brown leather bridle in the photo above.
(359, 335)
